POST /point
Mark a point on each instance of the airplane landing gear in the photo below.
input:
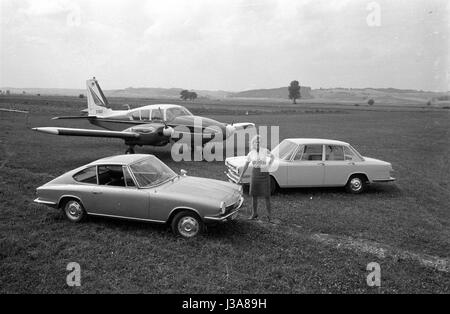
(130, 150)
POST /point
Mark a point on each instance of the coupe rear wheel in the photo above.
(74, 211)
(187, 224)
(356, 184)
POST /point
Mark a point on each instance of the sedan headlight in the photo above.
(241, 189)
(222, 207)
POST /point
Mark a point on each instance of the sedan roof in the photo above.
(120, 159)
(319, 141)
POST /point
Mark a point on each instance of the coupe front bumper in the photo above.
(227, 217)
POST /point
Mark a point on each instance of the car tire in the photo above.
(273, 185)
(356, 184)
(187, 224)
(74, 211)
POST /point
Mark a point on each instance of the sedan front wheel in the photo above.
(186, 224)
(356, 184)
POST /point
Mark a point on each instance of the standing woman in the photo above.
(260, 159)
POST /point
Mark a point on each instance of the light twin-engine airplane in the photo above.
(154, 125)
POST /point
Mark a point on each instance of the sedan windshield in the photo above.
(284, 149)
(151, 171)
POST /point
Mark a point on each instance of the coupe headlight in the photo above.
(241, 189)
(222, 207)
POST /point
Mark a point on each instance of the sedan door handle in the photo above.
(321, 164)
(96, 192)
(351, 163)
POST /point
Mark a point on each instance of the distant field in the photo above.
(323, 244)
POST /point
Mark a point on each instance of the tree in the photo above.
(184, 94)
(294, 91)
(371, 102)
(81, 96)
(192, 96)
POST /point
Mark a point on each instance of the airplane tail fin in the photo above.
(97, 102)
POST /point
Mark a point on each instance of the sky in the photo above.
(228, 45)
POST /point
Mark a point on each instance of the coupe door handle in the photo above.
(96, 192)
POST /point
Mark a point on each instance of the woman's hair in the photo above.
(253, 141)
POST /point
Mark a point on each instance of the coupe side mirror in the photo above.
(183, 172)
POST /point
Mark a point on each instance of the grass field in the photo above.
(323, 244)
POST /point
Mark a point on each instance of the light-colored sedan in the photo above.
(302, 162)
(141, 187)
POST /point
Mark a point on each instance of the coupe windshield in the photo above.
(151, 171)
(284, 149)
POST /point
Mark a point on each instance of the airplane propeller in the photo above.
(167, 131)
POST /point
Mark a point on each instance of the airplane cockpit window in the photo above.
(174, 112)
(136, 115)
(156, 114)
(145, 114)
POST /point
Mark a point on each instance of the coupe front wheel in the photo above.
(187, 224)
(74, 211)
(356, 184)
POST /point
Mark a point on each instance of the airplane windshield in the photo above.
(284, 149)
(151, 171)
(172, 113)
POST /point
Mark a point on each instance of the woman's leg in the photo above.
(254, 206)
(268, 208)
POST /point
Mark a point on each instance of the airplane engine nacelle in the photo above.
(168, 131)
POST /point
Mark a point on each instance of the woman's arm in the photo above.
(243, 170)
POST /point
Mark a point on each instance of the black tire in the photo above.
(273, 185)
(74, 211)
(356, 184)
(187, 224)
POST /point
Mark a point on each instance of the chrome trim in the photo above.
(223, 218)
(39, 201)
(385, 180)
(130, 218)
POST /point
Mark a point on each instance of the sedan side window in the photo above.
(136, 115)
(349, 154)
(312, 152)
(334, 152)
(111, 175)
(88, 175)
(299, 153)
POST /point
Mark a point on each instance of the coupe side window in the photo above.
(128, 179)
(88, 175)
(334, 152)
(312, 152)
(111, 175)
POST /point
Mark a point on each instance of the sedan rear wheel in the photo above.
(356, 184)
(74, 211)
(186, 224)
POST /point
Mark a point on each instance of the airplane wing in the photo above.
(88, 132)
(243, 125)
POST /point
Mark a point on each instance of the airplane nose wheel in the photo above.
(130, 150)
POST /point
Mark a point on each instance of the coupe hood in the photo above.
(209, 190)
